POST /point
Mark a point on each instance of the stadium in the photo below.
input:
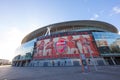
(62, 44)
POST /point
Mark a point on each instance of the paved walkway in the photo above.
(59, 73)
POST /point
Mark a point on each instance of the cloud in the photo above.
(95, 16)
(115, 10)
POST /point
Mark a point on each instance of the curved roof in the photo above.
(71, 25)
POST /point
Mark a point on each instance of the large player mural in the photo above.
(68, 46)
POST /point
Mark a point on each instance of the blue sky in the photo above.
(19, 17)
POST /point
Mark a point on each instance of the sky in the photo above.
(20, 17)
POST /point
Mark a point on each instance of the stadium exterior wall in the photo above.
(67, 42)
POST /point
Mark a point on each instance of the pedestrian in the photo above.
(53, 63)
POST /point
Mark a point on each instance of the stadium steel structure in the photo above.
(71, 25)
(96, 29)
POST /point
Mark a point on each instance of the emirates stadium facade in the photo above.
(61, 44)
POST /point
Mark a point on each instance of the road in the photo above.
(59, 73)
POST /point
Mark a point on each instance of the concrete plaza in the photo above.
(59, 73)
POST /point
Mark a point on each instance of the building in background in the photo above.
(4, 62)
(62, 44)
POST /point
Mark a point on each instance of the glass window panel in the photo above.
(107, 42)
